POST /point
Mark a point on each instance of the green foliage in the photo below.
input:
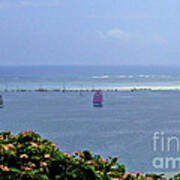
(155, 176)
(176, 177)
(28, 156)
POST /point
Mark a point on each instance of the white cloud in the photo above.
(115, 34)
(118, 33)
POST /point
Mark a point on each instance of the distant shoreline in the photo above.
(104, 89)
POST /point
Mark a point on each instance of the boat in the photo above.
(97, 99)
(1, 101)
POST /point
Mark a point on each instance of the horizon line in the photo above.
(93, 65)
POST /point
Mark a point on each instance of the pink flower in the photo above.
(138, 173)
(126, 173)
(23, 132)
(102, 159)
(33, 144)
(47, 155)
(10, 145)
(23, 156)
(7, 147)
(43, 163)
(91, 162)
(149, 178)
(29, 131)
(27, 168)
(66, 154)
(77, 153)
(30, 164)
(4, 168)
(55, 144)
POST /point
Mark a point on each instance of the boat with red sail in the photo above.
(97, 99)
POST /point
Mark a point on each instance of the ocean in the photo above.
(135, 126)
(89, 77)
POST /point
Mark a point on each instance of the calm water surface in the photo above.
(124, 127)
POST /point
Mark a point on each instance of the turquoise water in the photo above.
(80, 77)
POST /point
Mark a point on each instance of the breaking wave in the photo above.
(100, 77)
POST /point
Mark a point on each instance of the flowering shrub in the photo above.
(29, 157)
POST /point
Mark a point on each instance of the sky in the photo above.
(89, 32)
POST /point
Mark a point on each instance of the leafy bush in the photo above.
(28, 156)
(176, 177)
